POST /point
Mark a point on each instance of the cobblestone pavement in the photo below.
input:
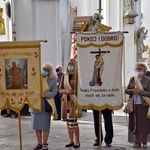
(9, 133)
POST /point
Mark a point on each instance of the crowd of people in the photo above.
(65, 86)
(62, 85)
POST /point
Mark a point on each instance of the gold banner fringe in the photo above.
(99, 45)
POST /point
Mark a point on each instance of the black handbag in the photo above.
(48, 107)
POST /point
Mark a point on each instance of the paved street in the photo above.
(9, 133)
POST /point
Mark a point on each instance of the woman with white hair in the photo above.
(41, 120)
(139, 125)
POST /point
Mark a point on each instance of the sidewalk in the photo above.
(9, 133)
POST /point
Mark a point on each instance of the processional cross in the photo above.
(99, 52)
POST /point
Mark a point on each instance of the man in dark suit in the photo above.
(58, 97)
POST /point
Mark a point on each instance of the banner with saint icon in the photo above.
(100, 70)
(20, 75)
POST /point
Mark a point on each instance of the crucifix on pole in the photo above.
(98, 67)
(97, 73)
(100, 6)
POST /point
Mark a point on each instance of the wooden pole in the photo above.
(20, 133)
(45, 40)
(96, 32)
(18, 112)
(100, 128)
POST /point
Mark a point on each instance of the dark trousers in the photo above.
(57, 99)
(107, 115)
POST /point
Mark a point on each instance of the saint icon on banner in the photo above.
(14, 76)
(98, 68)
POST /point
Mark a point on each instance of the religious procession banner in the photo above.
(100, 70)
(20, 75)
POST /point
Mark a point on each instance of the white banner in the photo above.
(100, 70)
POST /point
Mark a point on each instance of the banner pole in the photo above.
(20, 134)
(95, 32)
(18, 112)
(100, 129)
(45, 40)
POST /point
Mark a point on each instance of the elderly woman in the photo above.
(41, 120)
(139, 125)
(70, 113)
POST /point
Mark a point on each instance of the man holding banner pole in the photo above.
(107, 115)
